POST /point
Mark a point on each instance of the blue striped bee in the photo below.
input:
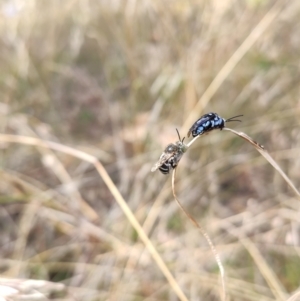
(171, 156)
(209, 122)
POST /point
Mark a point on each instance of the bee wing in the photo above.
(163, 158)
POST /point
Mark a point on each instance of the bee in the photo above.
(209, 122)
(171, 156)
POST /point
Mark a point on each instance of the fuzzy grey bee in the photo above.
(171, 156)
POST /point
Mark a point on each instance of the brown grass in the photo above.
(112, 80)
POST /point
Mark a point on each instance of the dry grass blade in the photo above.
(267, 156)
(295, 297)
(206, 236)
(233, 61)
(265, 269)
(115, 192)
(267, 272)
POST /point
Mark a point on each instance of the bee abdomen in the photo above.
(165, 168)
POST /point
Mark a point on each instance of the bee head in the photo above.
(180, 143)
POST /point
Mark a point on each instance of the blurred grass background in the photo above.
(114, 79)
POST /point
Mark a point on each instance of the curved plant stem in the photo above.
(204, 233)
(267, 156)
(260, 148)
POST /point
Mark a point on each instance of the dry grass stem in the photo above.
(267, 156)
(113, 79)
(206, 236)
(255, 34)
(115, 192)
(294, 297)
(269, 275)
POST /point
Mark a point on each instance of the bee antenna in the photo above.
(178, 135)
(231, 118)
